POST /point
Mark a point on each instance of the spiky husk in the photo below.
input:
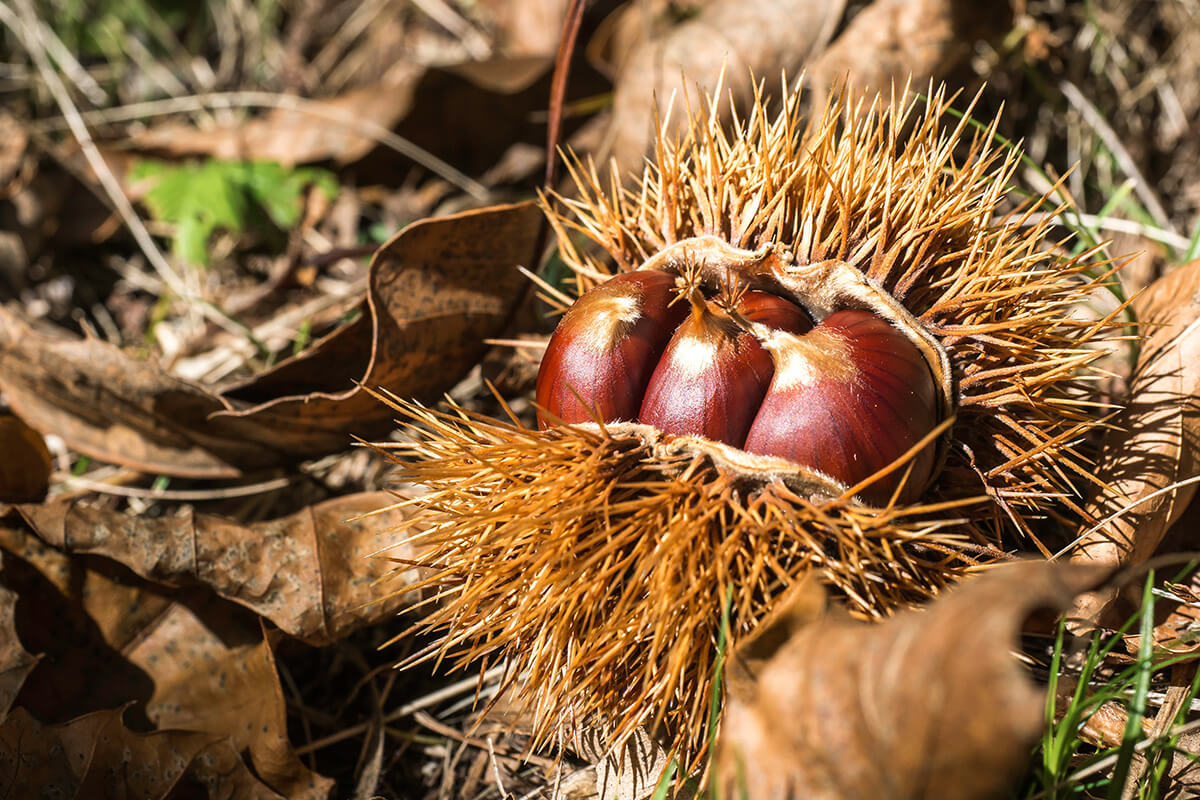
(597, 565)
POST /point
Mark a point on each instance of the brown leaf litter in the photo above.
(122, 659)
(310, 572)
(376, 85)
(732, 37)
(885, 45)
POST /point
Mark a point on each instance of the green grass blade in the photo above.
(1141, 690)
(664, 783)
(1193, 251)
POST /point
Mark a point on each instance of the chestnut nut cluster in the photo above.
(845, 396)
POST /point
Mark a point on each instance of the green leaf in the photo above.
(200, 198)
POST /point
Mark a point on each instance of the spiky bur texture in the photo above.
(595, 558)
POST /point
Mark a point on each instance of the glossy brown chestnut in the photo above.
(714, 373)
(709, 380)
(604, 349)
(848, 399)
(774, 312)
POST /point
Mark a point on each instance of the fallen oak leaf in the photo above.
(202, 682)
(78, 614)
(308, 572)
(1153, 444)
(929, 703)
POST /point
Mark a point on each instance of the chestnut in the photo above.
(714, 373)
(774, 312)
(848, 399)
(602, 353)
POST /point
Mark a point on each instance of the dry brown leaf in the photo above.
(763, 37)
(78, 615)
(1184, 773)
(891, 40)
(15, 661)
(308, 572)
(205, 682)
(437, 290)
(1154, 441)
(927, 704)
(96, 756)
(26, 464)
(109, 405)
(185, 660)
(526, 27)
(507, 75)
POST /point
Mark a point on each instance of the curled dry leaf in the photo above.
(437, 290)
(26, 464)
(204, 682)
(892, 40)
(308, 572)
(1153, 443)
(743, 39)
(927, 704)
(184, 660)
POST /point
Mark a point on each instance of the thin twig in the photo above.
(428, 700)
(185, 495)
(26, 28)
(70, 65)
(558, 87)
(558, 92)
(496, 768)
(472, 40)
(1141, 747)
(458, 736)
(521, 344)
(1123, 511)
(251, 99)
